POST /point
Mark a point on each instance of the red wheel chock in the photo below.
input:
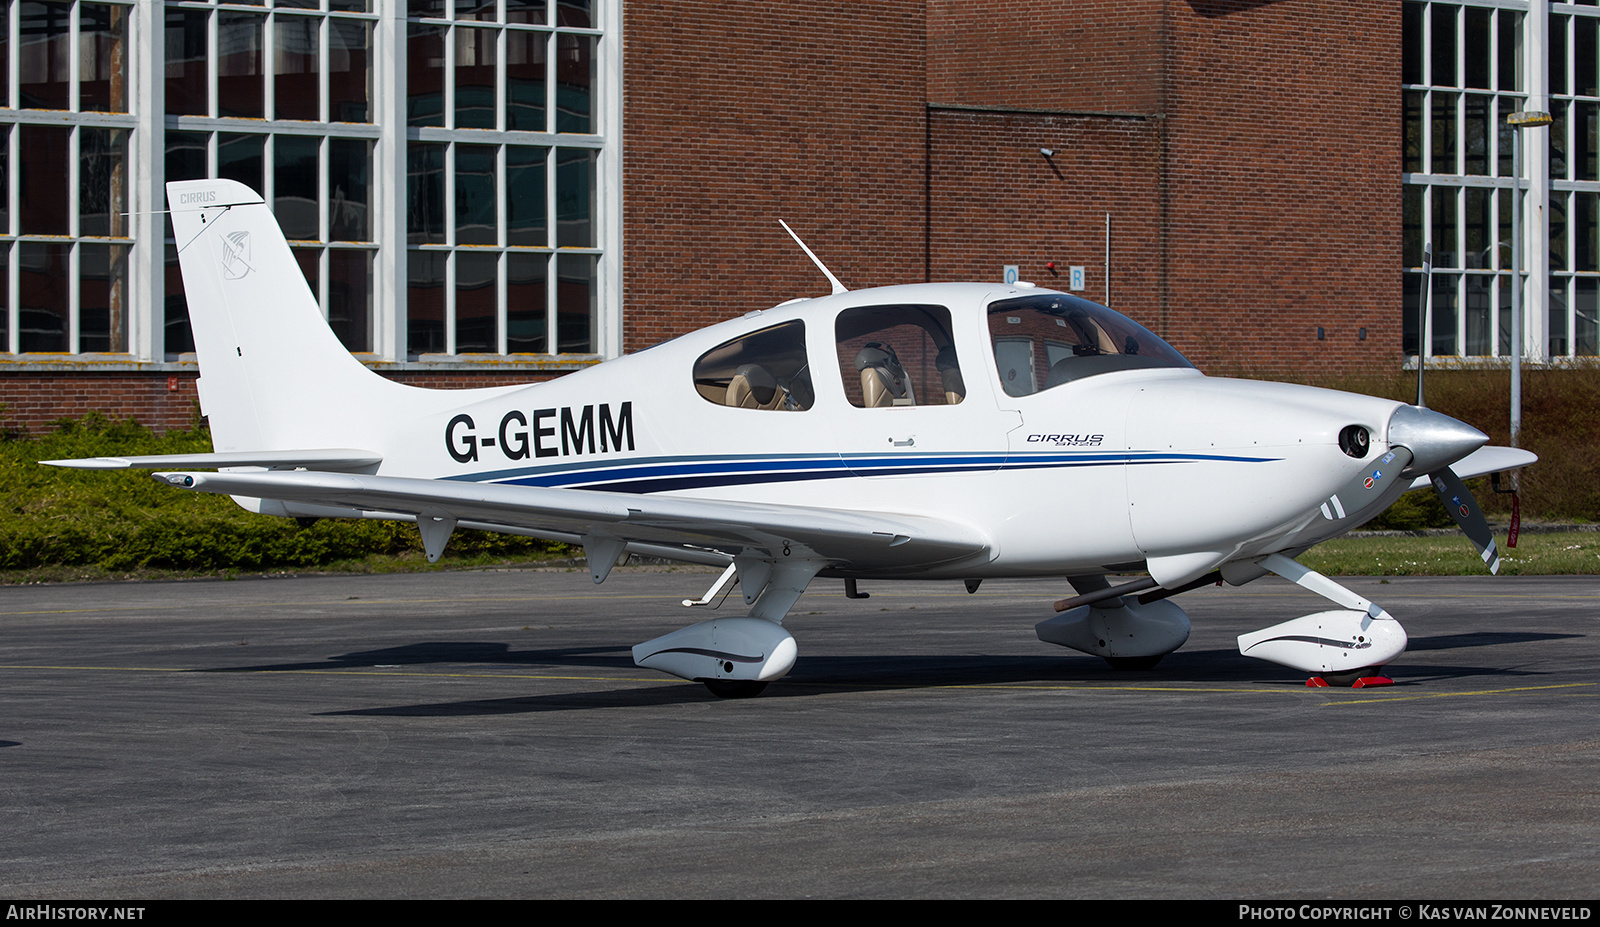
(1365, 682)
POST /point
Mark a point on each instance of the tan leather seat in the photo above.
(955, 388)
(883, 381)
(752, 387)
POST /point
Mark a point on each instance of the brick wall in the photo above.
(1282, 167)
(33, 400)
(1259, 200)
(1247, 151)
(996, 200)
(1100, 56)
(738, 115)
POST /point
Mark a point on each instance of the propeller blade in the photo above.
(1351, 505)
(1458, 501)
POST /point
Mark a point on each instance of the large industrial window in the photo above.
(1462, 70)
(285, 110)
(64, 250)
(472, 139)
(1575, 181)
(501, 178)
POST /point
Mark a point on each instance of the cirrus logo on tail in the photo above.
(234, 250)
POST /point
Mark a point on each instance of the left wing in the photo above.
(694, 527)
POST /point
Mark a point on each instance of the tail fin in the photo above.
(273, 375)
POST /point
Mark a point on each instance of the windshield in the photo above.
(1046, 340)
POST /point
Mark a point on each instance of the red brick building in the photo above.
(1215, 136)
(1228, 172)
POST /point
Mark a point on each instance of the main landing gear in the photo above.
(1109, 622)
(737, 657)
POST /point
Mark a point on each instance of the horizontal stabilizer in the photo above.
(1481, 462)
(338, 458)
(860, 540)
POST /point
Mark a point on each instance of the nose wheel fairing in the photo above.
(1358, 636)
(1330, 642)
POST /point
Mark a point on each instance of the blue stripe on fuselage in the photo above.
(661, 474)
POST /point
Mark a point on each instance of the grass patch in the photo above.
(1453, 555)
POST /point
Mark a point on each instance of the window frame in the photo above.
(571, 340)
(604, 185)
(15, 240)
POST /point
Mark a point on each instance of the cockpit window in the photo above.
(1050, 339)
(898, 356)
(763, 370)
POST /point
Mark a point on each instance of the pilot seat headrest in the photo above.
(762, 384)
(877, 354)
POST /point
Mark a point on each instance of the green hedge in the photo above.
(122, 520)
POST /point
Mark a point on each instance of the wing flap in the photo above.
(855, 539)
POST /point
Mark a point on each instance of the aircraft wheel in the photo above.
(735, 688)
(1135, 663)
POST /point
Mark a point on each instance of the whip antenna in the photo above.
(837, 286)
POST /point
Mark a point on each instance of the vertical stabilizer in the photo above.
(273, 375)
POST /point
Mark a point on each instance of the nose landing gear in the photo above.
(1342, 647)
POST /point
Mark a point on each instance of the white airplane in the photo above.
(936, 431)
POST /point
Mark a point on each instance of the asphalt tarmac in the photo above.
(485, 734)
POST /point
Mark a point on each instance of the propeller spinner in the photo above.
(1435, 441)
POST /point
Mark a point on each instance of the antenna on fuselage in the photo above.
(837, 286)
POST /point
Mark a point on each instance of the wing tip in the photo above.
(89, 463)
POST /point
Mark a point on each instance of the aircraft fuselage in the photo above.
(1156, 466)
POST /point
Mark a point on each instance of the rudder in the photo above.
(268, 361)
